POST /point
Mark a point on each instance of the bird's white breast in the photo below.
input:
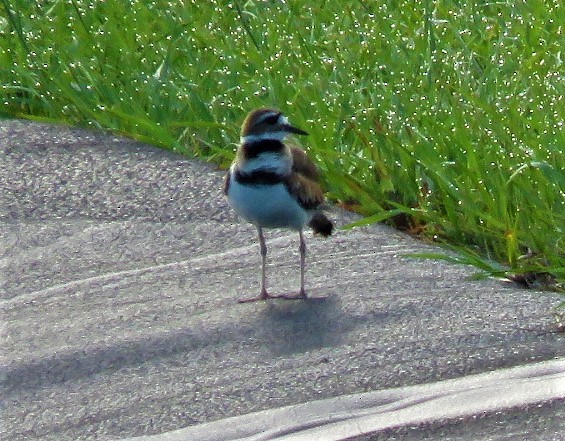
(270, 206)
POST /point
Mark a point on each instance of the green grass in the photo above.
(449, 112)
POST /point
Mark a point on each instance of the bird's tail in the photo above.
(321, 224)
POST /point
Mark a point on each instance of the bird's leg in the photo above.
(302, 293)
(263, 246)
(302, 264)
(263, 295)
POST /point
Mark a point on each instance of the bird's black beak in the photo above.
(296, 130)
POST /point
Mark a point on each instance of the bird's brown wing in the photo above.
(303, 182)
(307, 192)
(302, 164)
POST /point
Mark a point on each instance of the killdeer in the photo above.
(273, 185)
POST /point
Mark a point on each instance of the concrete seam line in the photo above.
(353, 415)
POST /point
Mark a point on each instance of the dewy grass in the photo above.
(449, 114)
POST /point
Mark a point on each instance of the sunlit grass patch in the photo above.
(447, 115)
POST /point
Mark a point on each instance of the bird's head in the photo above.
(264, 123)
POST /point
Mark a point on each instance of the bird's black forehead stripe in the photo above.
(270, 117)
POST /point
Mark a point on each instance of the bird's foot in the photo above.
(261, 297)
(300, 296)
(265, 296)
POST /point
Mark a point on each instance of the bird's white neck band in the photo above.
(275, 136)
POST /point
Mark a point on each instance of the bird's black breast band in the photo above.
(255, 148)
(259, 177)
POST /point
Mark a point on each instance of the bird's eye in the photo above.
(272, 119)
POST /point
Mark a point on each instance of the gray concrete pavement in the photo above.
(120, 271)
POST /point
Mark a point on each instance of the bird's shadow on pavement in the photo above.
(294, 326)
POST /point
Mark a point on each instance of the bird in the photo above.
(273, 185)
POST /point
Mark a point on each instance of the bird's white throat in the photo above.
(268, 161)
(265, 136)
